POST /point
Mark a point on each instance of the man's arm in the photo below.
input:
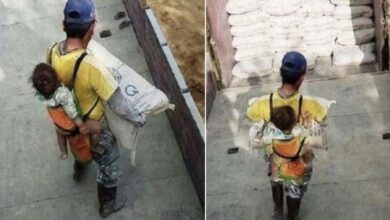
(120, 106)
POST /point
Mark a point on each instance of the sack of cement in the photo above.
(285, 44)
(354, 24)
(320, 8)
(243, 6)
(351, 2)
(327, 35)
(281, 7)
(278, 57)
(286, 21)
(145, 97)
(253, 52)
(321, 50)
(344, 12)
(283, 32)
(253, 17)
(250, 41)
(313, 24)
(354, 55)
(255, 133)
(257, 67)
(361, 36)
(248, 30)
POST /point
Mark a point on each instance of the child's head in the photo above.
(284, 118)
(44, 79)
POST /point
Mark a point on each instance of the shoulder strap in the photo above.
(300, 108)
(271, 105)
(49, 58)
(75, 71)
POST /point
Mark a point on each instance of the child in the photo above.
(59, 100)
(290, 159)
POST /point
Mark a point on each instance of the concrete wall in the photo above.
(221, 38)
(185, 120)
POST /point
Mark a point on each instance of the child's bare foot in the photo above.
(63, 156)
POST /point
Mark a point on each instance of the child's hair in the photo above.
(43, 74)
(284, 118)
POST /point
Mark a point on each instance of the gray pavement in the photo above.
(34, 183)
(350, 180)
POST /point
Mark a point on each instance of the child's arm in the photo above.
(66, 100)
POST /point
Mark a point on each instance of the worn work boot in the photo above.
(293, 206)
(109, 204)
(277, 196)
(78, 171)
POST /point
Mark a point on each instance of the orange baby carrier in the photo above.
(79, 144)
(290, 150)
(293, 167)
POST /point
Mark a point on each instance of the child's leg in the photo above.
(62, 143)
(95, 130)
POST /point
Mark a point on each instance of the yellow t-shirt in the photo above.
(93, 79)
(260, 109)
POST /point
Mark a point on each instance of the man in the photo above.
(293, 71)
(93, 86)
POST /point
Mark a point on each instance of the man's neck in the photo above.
(72, 44)
(287, 90)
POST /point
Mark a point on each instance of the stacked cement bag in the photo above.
(355, 33)
(263, 31)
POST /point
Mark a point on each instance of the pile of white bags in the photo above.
(263, 31)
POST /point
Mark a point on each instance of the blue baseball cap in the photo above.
(293, 64)
(79, 12)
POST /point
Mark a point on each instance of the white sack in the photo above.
(145, 97)
(353, 12)
(356, 37)
(354, 24)
(248, 30)
(286, 21)
(249, 41)
(283, 32)
(328, 35)
(321, 50)
(354, 55)
(243, 6)
(351, 2)
(253, 52)
(319, 8)
(253, 17)
(258, 67)
(281, 7)
(312, 24)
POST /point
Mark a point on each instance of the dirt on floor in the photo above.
(183, 25)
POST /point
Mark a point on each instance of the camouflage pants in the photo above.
(109, 171)
(294, 189)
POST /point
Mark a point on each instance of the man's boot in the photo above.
(293, 206)
(108, 202)
(78, 171)
(277, 196)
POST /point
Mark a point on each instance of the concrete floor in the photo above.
(34, 183)
(350, 180)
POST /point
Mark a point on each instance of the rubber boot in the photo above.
(277, 196)
(78, 171)
(108, 202)
(293, 206)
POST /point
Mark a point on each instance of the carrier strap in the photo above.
(50, 62)
(75, 71)
(294, 157)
